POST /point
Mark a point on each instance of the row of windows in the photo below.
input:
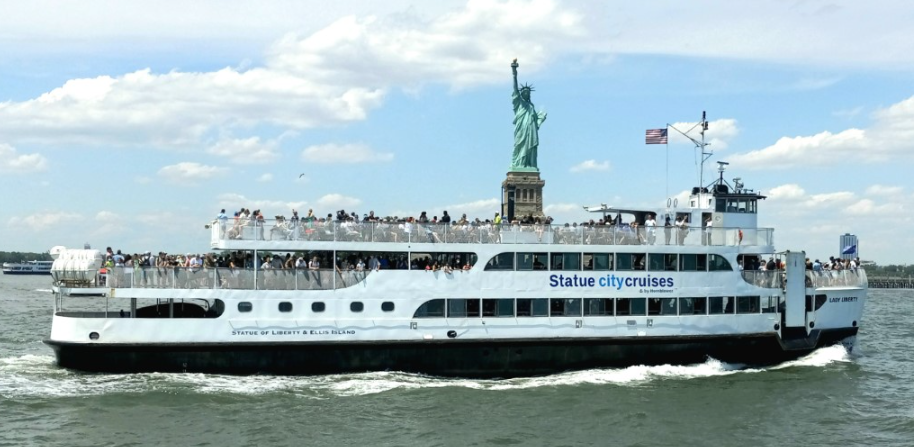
(663, 262)
(317, 306)
(576, 307)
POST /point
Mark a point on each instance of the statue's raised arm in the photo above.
(514, 71)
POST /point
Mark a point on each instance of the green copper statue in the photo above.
(527, 122)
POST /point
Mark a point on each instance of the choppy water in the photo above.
(831, 397)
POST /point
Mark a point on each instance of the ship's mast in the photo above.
(702, 146)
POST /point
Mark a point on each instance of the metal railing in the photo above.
(837, 278)
(774, 279)
(227, 278)
(284, 230)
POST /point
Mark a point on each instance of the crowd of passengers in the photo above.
(646, 232)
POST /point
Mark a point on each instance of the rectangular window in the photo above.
(662, 262)
(770, 304)
(532, 261)
(721, 205)
(747, 304)
(598, 306)
(693, 306)
(598, 261)
(565, 307)
(630, 261)
(532, 307)
(693, 263)
(661, 306)
(566, 261)
(501, 307)
(720, 305)
(631, 306)
(458, 308)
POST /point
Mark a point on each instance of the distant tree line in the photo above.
(891, 270)
(18, 256)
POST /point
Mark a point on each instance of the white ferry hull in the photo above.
(463, 358)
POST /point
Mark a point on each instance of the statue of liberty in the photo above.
(527, 122)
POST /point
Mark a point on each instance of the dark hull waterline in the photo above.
(454, 358)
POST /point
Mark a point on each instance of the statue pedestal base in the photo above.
(522, 195)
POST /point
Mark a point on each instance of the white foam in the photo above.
(44, 290)
(38, 376)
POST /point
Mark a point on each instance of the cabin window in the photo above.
(721, 205)
(430, 309)
(461, 308)
(501, 261)
(566, 261)
(387, 306)
(285, 306)
(630, 261)
(500, 307)
(245, 306)
(661, 262)
(318, 306)
(427, 260)
(770, 304)
(356, 306)
(532, 261)
(718, 305)
(820, 301)
(693, 262)
(717, 263)
(598, 306)
(631, 306)
(598, 261)
(565, 307)
(747, 304)
(661, 306)
(532, 307)
(693, 306)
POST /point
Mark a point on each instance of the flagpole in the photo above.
(668, 168)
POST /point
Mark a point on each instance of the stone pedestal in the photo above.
(525, 191)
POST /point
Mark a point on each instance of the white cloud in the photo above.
(719, 134)
(233, 202)
(334, 202)
(790, 191)
(265, 178)
(564, 212)
(188, 172)
(590, 165)
(106, 216)
(883, 190)
(246, 151)
(45, 220)
(344, 153)
(821, 149)
(15, 163)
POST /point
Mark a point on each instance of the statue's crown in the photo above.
(527, 88)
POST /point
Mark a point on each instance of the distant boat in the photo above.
(27, 268)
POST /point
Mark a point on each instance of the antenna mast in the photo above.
(701, 145)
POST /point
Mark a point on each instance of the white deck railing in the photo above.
(271, 230)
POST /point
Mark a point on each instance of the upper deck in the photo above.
(284, 233)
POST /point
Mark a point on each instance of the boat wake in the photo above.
(37, 376)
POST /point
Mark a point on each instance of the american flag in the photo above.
(655, 136)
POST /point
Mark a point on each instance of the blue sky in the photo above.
(131, 124)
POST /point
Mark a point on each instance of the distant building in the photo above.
(848, 247)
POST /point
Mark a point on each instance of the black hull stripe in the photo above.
(462, 358)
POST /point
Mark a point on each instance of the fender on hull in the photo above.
(453, 358)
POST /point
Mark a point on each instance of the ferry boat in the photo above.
(514, 300)
(27, 268)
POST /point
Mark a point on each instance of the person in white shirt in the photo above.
(651, 226)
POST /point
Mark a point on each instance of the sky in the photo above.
(131, 124)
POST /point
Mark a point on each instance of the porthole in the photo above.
(245, 306)
(285, 306)
(356, 306)
(387, 306)
(318, 306)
